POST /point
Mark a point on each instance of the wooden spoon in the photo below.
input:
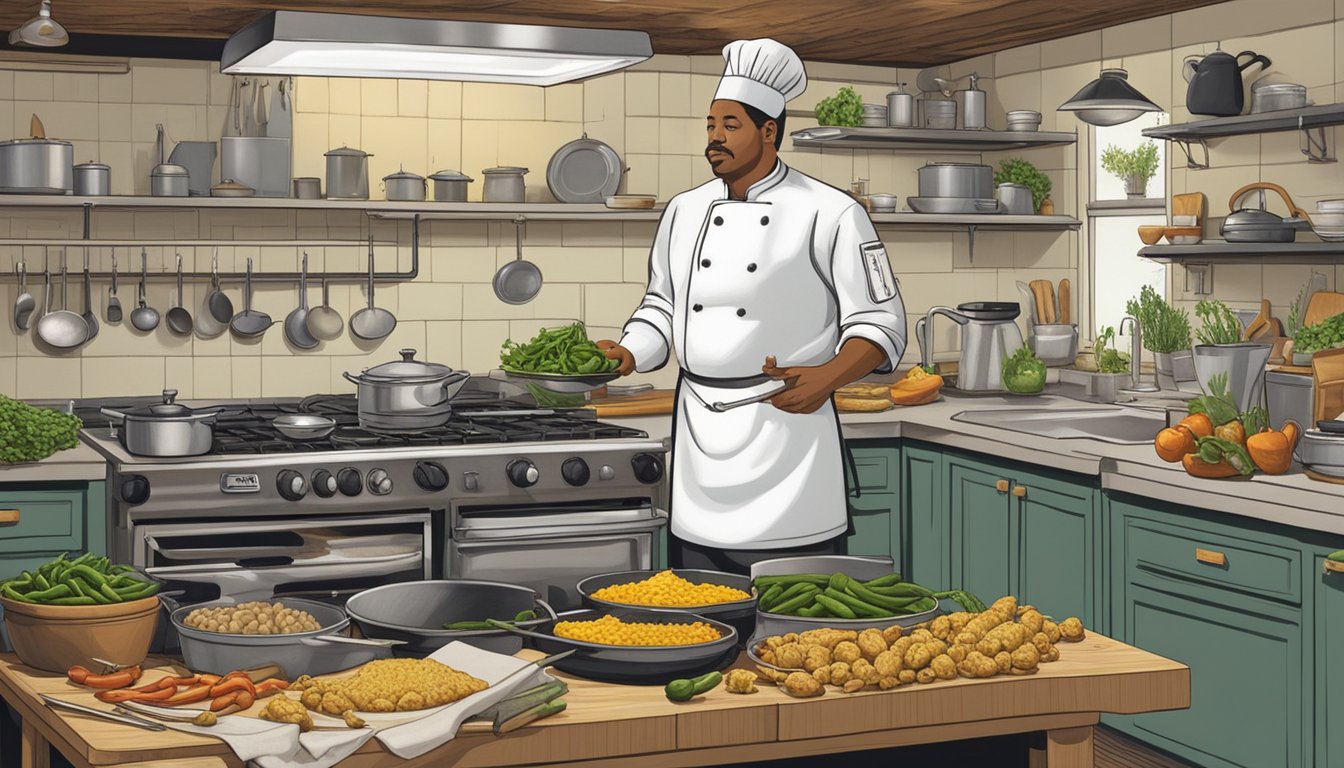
(1045, 302)
(1065, 295)
(1260, 324)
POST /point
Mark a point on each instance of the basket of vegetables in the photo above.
(70, 611)
(559, 360)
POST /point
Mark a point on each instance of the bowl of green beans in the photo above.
(560, 359)
(72, 610)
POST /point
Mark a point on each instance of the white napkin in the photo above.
(280, 745)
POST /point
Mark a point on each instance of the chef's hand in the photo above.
(615, 351)
(809, 386)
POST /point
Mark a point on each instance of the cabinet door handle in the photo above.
(9, 516)
(1209, 557)
(1020, 491)
(1001, 486)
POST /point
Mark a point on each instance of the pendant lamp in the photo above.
(1109, 100)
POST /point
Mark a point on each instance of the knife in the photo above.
(127, 719)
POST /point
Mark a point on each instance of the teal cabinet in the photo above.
(1224, 599)
(875, 511)
(926, 558)
(1032, 534)
(51, 518)
(1327, 676)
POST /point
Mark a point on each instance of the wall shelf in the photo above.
(1220, 252)
(1306, 119)
(929, 139)
(991, 221)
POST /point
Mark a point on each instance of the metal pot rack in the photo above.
(86, 242)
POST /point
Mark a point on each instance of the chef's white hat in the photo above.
(763, 73)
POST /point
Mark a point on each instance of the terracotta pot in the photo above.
(56, 637)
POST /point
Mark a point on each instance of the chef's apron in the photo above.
(754, 477)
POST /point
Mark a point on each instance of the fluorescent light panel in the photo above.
(346, 45)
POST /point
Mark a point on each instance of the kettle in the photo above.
(989, 336)
(1215, 86)
(1258, 225)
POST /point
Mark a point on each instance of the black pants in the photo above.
(684, 554)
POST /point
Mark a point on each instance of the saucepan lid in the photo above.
(990, 310)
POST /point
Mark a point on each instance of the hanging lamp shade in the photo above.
(41, 31)
(1109, 100)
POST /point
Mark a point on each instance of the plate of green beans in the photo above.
(560, 359)
(85, 580)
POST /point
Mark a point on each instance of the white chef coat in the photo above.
(794, 271)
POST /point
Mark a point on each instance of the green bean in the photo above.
(89, 575)
(837, 608)
(42, 596)
(859, 607)
(789, 606)
(73, 601)
(890, 579)
(10, 593)
(39, 580)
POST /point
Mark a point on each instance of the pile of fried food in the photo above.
(1005, 639)
(231, 693)
(609, 630)
(667, 589)
(389, 685)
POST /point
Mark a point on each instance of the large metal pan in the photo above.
(636, 665)
(415, 611)
(741, 614)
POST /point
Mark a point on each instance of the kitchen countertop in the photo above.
(1291, 499)
(80, 463)
(637, 727)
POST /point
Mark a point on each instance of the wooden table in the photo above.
(613, 726)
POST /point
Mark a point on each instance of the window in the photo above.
(1113, 220)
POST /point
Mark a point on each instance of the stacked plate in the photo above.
(1328, 221)
(1322, 450)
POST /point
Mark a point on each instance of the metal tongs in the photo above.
(720, 407)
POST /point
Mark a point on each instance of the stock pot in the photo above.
(165, 429)
(406, 394)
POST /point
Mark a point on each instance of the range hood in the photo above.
(349, 45)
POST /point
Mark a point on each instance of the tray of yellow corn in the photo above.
(726, 597)
(635, 646)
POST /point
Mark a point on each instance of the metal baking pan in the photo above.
(741, 614)
(415, 611)
(636, 665)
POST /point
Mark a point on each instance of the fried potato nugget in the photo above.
(840, 673)
(740, 681)
(871, 642)
(943, 667)
(1051, 630)
(818, 657)
(827, 637)
(846, 651)
(1071, 629)
(802, 685)
(887, 664)
(1026, 657)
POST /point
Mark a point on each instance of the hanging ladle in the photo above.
(372, 323)
(178, 317)
(61, 329)
(25, 303)
(90, 317)
(296, 323)
(518, 281)
(144, 317)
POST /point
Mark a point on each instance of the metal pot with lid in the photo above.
(165, 429)
(404, 185)
(347, 174)
(450, 186)
(93, 179)
(406, 394)
(231, 188)
(1258, 225)
(38, 165)
(505, 184)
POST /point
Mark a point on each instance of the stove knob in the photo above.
(430, 476)
(379, 482)
(135, 490)
(522, 473)
(471, 481)
(349, 481)
(291, 484)
(605, 472)
(575, 471)
(324, 484)
(648, 468)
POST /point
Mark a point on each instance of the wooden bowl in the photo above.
(1151, 234)
(56, 637)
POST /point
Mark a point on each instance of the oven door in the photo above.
(552, 559)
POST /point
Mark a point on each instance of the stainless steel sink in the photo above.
(1126, 426)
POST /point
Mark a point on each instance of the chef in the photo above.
(773, 290)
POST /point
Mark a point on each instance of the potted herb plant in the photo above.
(1222, 351)
(1135, 167)
(1018, 171)
(1166, 333)
(1113, 373)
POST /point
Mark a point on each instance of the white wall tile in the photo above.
(160, 81)
(74, 87)
(412, 98)
(444, 99)
(641, 94)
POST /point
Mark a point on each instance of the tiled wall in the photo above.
(1305, 40)
(595, 272)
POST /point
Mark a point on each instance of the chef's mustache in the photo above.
(715, 146)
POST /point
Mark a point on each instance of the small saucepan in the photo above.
(303, 426)
(166, 429)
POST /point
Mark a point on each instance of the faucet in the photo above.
(1135, 352)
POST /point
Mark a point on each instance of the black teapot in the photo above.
(1215, 82)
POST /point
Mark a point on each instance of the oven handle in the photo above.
(658, 520)
(260, 583)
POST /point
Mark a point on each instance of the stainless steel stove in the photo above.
(504, 491)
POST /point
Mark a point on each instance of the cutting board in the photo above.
(1323, 304)
(657, 402)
